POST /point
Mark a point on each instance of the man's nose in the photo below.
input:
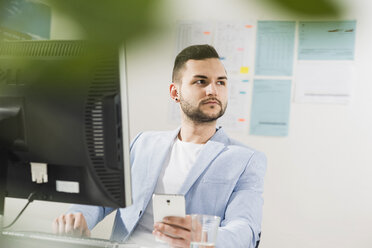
(211, 89)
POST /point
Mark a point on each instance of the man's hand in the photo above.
(71, 224)
(176, 231)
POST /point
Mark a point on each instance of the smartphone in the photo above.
(168, 205)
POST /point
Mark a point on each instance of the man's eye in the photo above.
(221, 82)
(200, 82)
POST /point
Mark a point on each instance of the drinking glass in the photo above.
(204, 230)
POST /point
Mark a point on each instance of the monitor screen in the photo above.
(64, 129)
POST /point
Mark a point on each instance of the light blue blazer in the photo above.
(227, 180)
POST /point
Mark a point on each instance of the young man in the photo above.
(217, 175)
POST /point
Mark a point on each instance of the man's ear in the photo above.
(173, 91)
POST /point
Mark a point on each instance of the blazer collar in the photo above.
(157, 160)
(211, 150)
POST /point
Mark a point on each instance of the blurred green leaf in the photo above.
(109, 20)
(311, 8)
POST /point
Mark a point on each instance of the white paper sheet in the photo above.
(323, 82)
(234, 42)
(192, 33)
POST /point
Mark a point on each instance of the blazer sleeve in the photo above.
(94, 214)
(242, 222)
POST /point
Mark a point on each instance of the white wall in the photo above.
(317, 186)
(318, 183)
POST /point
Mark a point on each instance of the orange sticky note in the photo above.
(206, 32)
(244, 69)
(249, 26)
(241, 120)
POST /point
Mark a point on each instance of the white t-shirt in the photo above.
(174, 172)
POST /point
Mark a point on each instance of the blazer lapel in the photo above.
(211, 150)
(156, 162)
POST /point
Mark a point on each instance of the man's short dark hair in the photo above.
(196, 52)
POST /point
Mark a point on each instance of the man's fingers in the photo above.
(61, 224)
(80, 226)
(86, 233)
(184, 222)
(173, 230)
(69, 224)
(55, 226)
(173, 242)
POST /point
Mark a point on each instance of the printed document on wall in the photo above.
(275, 48)
(270, 107)
(332, 40)
(235, 118)
(193, 33)
(323, 82)
(234, 42)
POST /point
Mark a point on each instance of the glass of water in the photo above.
(204, 230)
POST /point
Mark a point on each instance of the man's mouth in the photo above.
(211, 101)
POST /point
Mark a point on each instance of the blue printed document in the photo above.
(332, 40)
(270, 107)
(275, 48)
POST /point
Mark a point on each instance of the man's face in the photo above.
(203, 91)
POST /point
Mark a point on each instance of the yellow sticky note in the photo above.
(244, 69)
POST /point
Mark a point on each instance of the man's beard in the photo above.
(197, 115)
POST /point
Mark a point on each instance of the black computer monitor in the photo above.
(64, 131)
